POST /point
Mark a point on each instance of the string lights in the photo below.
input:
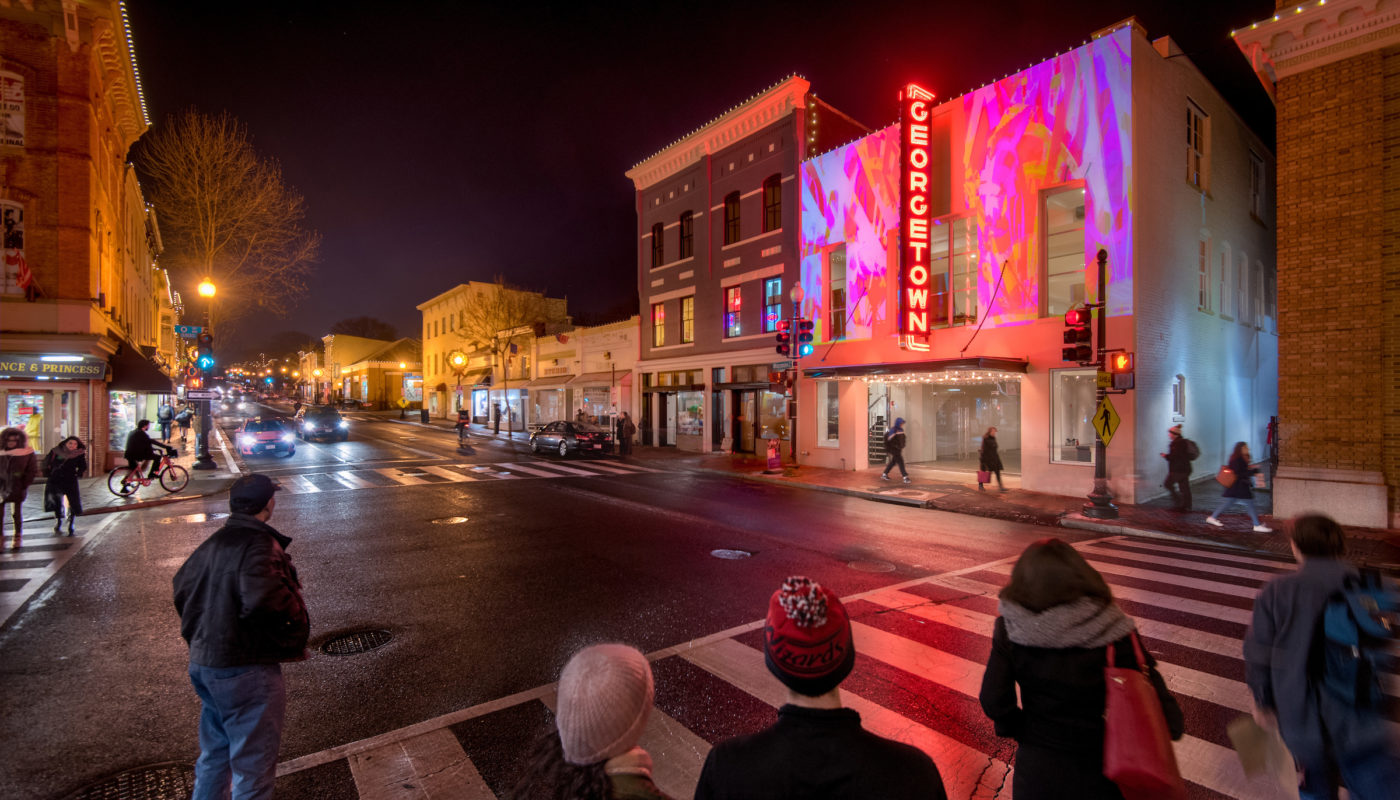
(135, 71)
(1298, 9)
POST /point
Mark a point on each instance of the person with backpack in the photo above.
(165, 415)
(1331, 722)
(1180, 453)
(895, 439)
(183, 419)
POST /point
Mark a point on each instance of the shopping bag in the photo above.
(1137, 748)
(1262, 752)
(984, 476)
(1225, 477)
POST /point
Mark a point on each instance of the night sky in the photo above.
(441, 142)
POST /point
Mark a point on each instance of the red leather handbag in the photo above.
(1137, 748)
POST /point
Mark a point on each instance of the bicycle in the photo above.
(124, 481)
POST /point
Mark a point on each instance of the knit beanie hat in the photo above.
(807, 639)
(605, 695)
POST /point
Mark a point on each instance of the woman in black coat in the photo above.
(1242, 490)
(65, 464)
(988, 459)
(1057, 617)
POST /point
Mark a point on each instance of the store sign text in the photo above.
(916, 173)
(17, 366)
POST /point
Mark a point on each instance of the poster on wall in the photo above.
(11, 109)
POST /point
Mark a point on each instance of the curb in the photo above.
(159, 501)
(878, 498)
(1085, 524)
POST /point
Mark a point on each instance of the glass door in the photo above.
(746, 421)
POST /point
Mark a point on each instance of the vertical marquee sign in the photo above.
(916, 173)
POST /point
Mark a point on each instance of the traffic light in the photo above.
(1121, 366)
(804, 337)
(784, 338)
(1078, 335)
(204, 352)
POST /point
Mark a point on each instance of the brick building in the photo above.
(1333, 70)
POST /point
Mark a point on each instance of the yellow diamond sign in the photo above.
(1106, 420)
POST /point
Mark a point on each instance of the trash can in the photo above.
(423, 416)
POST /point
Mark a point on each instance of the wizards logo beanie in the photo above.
(807, 639)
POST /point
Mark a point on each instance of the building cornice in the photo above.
(1316, 33)
(758, 112)
(111, 42)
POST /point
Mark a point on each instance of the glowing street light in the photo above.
(207, 288)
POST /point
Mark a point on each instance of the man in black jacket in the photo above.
(242, 613)
(1180, 453)
(816, 748)
(141, 447)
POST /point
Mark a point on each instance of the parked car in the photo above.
(325, 422)
(565, 437)
(259, 437)
(353, 404)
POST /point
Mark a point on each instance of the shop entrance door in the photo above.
(745, 420)
(717, 420)
(646, 420)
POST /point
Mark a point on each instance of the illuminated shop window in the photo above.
(1073, 398)
(733, 303)
(688, 319)
(1064, 250)
(772, 304)
(658, 324)
(731, 218)
(773, 203)
(836, 268)
(828, 414)
(658, 245)
(964, 271)
(1197, 146)
(687, 235)
(1203, 268)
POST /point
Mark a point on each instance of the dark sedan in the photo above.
(324, 422)
(571, 437)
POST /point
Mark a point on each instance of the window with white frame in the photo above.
(1179, 398)
(829, 414)
(1256, 185)
(1242, 291)
(688, 319)
(658, 324)
(1227, 282)
(1203, 269)
(1063, 222)
(1197, 146)
(1073, 398)
(836, 269)
(1257, 282)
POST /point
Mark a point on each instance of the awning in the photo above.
(745, 385)
(549, 382)
(912, 367)
(133, 372)
(602, 378)
(441, 387)
(476, 377)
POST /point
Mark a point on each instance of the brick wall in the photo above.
(1390, 264)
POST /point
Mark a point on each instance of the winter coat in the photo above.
(18, 467)
(184, 417)
(895, 438)
(812, 752)
(1277, 652)
(64, 469)
(239, 599)
(138, 447)
(1243, 487)
(629, 777)
(1057, 658)
(1179, 456)
(988, 457)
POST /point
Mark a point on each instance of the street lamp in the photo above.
(202, 459)
(207, 288)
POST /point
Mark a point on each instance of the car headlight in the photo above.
(242, 405)
(247, 441)
(344, 424)
(287, 437)
(308, 427)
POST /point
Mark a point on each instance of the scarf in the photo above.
(1086, 622)
(61, 453)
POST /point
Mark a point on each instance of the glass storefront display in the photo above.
(413, 388)
(1073, 398)
(690, 413)
(122, 414)
(481, 406)
(946, 416)
(46, 417)
(548, 405)
(772, 416)
(595, 405)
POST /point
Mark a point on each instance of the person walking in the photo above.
(605, 696)
(496, 419)
(18, 469)
(242, 613)
(627, 430)
(989, 460)
(64, 465)
(1334, 742)
(1241, 490)
(816, 748)
(1180, 453)
(895, 440)
(165, 416)
(183, 419)
(1044, 683)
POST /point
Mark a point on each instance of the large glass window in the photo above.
(731, 218)
(688, 319)
(1064, 251)
(658, 324)
(658, 245)
(690, 413)
(964, 271)
(836, 269)
(773, 203)
(828, 414)
(772, 416)
(732, 306)
(1073, 398)
(772, 304)
(687, 227)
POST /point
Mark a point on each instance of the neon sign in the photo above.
(915, 175)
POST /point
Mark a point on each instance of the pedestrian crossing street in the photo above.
(921, 647)
(386, 477)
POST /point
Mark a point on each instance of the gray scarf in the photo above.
(1086, 622)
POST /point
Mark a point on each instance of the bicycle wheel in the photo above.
(117, 484)
(174, 478)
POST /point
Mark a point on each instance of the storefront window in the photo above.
(828, 414)
(690, 413)
(549, 405)
(1073, 396)
(772, 416)
(413, 389)
(121, 418)
(596, 405)
(480, 404)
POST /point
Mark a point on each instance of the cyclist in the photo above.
(140, 447)
(464, 418)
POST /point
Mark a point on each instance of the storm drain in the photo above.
(171, 780)
(349, 644)
(730, 555)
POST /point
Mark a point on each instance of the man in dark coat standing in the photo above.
(1180, 453)
(242, 613)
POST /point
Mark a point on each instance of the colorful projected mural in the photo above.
(1065, 121)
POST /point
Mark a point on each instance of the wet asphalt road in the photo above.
(94, 668)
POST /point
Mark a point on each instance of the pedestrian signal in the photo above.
(1078, 335)
(1121, 366)
(804, 337)
(784, 339)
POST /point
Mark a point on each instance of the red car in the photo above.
(260, 437)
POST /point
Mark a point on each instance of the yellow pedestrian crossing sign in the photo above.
(1106, 420)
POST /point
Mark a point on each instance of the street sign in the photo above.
(201, 394)
(188, 331)
(783, 366)
(1105, 380)
(403, 403)
(1106, 420)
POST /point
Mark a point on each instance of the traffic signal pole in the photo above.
(1100, 505)
(202, 459)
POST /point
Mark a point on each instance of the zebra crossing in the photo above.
(921, 646)
(420, 475)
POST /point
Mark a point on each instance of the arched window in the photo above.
(687, 235)
(731, 218)
(658, 245)
(773, 203)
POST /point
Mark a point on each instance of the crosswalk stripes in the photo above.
(385, 477)
(921, 646)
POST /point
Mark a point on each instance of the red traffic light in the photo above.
(1120, 362)
(1079, 316)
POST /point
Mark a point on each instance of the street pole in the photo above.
(796, 294)
(202, 459)
(1100, 505)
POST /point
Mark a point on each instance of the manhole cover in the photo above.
(349, 644)
(155, 782)
(730, 555)
(450, 521)
(871, 566)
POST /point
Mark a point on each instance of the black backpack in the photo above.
(1355, 633)
(1192, 451)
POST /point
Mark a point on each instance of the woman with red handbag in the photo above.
(1058, 628)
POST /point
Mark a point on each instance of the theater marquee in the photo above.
(916, 174)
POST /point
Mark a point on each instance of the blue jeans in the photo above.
(1226, 502)
(240, 730)
(1370, 777)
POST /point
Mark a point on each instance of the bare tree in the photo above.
(227, 215)
(492, 319)
(368, 327)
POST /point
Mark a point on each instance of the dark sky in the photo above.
(440, 142)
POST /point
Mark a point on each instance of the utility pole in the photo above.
(1100, 505)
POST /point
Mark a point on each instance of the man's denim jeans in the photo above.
(240, 730)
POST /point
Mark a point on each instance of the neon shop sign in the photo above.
(916, 174)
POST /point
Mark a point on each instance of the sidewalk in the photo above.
(98, 499)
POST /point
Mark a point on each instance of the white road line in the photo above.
(609, 468)
(450, 474)
(433, 763)
(299, 484)
(397, 476)
(1247, 592)
(568, 469)
(349, 479)
(10, 602)
(1138, 558)
(529, 470)
(1164, 601)
(1149, 544)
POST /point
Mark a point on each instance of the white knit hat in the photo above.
(605, 695)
